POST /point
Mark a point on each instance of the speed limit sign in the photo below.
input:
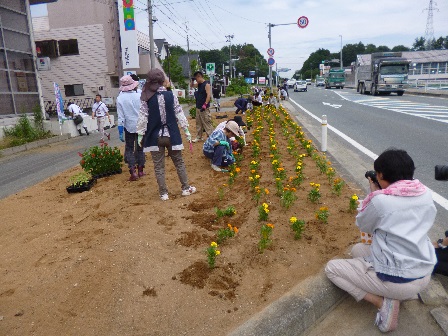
(302, 22)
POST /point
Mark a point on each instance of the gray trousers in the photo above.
(203, 123)
(357, 277)
(158, 159)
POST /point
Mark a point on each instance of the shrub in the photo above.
(101, 159)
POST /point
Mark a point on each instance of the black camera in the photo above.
(372, 175)
(441, 173)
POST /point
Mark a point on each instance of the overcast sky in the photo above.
(381, 22)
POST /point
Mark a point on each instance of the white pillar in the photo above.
(324, 133)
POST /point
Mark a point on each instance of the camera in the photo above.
(441, 173)
(372, 175)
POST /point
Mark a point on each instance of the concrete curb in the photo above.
(296, 311)
(34, 144)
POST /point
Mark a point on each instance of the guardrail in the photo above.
(427, 84)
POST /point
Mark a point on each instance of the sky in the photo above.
(380, 22)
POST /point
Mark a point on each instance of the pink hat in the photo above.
(127, 83)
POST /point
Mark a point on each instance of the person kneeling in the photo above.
(217, 146)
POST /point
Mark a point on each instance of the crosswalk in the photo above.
(433, 112)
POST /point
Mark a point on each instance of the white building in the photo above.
(82, 41)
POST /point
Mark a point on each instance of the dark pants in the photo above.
(240, 108)
(133, 153)
(219, 157)
(442, 261)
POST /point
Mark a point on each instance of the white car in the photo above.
(300, 86)
(291, 83)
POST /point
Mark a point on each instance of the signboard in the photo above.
(128, 34)
(261, 80)
(191, 92)
(271, 61)
(43, 63)
(271, 52)
(249, 80)
(129, 72)
(179, 93)
(302, 22)
(251, 73)
(210, 68)
(107, 100)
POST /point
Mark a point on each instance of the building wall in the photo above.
(89, 68)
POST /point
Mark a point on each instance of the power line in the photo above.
(246, 19)
(205, 20)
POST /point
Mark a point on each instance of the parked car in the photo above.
(300, 85)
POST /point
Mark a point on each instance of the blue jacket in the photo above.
(155, 121)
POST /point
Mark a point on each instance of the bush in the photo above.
(237, 87)
(192, 112)
(24, 131)
(102, 159)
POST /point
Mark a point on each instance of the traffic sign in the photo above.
(210, 68)
(271, 52)
(271, 61)
(302, 22)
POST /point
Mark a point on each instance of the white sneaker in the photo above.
(216, 168)
(189, 191)
(196, 140)
(164, 197)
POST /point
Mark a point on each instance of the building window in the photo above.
(74, 90)
(47, 48)
(68, 47)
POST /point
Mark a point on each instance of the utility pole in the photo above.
(169, 61)
(188, 51)
(270, 46)
(229, 39)
(152, 56)
(341, 53)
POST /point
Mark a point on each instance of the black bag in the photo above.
(78, 119)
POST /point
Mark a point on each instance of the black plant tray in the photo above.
(81, 188)
(119, 171)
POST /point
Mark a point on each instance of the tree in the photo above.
(419, 44)
(349, 52)
(174, 69)
(370, 48)
(439, 43)
(177, 50)
(400, 48)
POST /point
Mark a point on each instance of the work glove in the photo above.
(224, 143)
(121, 133)
(140, 140)
(187, 133)
(204, 107)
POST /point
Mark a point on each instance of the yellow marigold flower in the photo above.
(214, 244)
(251, 178)
(265, 205)
(323, 209)
(217, 252)
(266, 191)
(293, 219)
(266, 210)
(258, 191)
(277, 178)
(231, 174)
(253, 162)
(311, 183)
(257, 176)
(308, 146)
(354, 197)
(274, 162)
(317, 185)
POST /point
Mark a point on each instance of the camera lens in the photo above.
(441, 173)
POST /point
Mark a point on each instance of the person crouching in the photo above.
(217, 146)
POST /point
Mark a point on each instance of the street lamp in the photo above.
(341, 52)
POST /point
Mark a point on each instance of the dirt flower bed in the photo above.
(116, 260)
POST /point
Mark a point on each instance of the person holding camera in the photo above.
(203, 115)
(100, 111)
(399, 262)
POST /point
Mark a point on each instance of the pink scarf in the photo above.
(403, 188)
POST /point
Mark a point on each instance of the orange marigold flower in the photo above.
(235, 229)
(270, 225)
(266, 191)
(237, 169)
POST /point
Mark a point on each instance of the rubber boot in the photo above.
(140, 171)
(79, 131)
(87, 132)
(134, 176)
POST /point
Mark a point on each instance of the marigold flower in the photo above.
(312, 184)
(253, 171)
(257, 176)
(293, 189)
(270, 225)
(280, 169)
(293, 219)
(229, 225)
(285, 188)
(251, 178)
(217, 252)
(323, 209)
(266, 191)
(355, 197)
(235, 229)
(265, 205)
(213, 244)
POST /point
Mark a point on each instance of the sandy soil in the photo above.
(116, 260)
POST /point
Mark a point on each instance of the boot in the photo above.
(87, 132)
(79, 131)
(140, 171)
(134, 176)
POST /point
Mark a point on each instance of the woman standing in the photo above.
(398, 264)
(160, 114)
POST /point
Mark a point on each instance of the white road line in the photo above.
(443, 202)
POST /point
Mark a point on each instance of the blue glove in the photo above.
(120, 133)
(224, 143)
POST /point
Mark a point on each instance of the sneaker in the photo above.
(196, 140)
(108, 136)
(387, 316)
(164, 197)
(216, 168)
(189, 191)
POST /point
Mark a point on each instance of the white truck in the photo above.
(381, 73)
(291, 83)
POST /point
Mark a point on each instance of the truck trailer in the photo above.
(335, 78)
(381, 73)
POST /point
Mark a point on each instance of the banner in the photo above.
(128, 34)
(59, 104)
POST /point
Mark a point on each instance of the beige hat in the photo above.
(233, 127)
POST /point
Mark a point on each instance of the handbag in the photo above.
(78, 119)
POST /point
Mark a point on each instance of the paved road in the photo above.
(25, 169)
(418, 124)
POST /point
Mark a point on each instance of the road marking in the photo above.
(437, 113)
(332, 105)
(443, 202)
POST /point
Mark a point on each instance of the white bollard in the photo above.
(324, 133)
